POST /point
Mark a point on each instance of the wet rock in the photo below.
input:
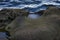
(46, 27)
(52, 11)
(8, 15)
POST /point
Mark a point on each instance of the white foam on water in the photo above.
(1, 9)
(31, 5)
(51, 3)
(33, 16)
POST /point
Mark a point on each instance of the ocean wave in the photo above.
(30, 5)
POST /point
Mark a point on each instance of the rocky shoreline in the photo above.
(15, 21)
(7, 16)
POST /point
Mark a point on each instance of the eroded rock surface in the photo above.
(6, 17)
(46, 27)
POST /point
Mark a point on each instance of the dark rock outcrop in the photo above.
(52, 11)
(8, 15)
(46, 27)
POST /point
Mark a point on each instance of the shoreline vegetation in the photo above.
(16, 23)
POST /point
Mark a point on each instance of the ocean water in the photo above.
(33, 16)
(3, 36)
(30, 5)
